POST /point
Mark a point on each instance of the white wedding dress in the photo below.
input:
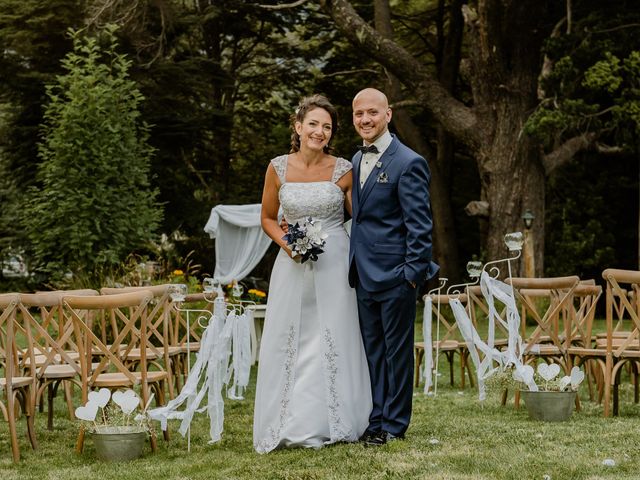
(313, 382)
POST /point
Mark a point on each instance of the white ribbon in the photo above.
(427, 320)
(241, 360)
(493, 289)
(212, 370)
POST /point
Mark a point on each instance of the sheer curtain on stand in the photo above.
(240, 241)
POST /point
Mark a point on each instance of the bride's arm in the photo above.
(346, 184)
(270, 206)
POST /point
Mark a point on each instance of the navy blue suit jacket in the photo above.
(391, 222)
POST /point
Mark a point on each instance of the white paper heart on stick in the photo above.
(577, 376)
(101, 397)
(88, 412)
(564, 382)
(548, 372)
(128, 401)
(523, 374)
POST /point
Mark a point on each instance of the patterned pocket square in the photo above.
(382, 178)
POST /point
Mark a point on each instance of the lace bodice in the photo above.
(320, 200)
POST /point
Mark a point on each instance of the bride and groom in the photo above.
(336, 356)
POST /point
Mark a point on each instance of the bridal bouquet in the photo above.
(306, 240)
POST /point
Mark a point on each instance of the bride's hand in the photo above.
(292, 255)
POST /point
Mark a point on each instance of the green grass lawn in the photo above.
(452, 436)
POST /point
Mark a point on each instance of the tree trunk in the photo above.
(445, 252)
(506, 59)
(504, 45)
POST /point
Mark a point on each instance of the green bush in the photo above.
(94, 204)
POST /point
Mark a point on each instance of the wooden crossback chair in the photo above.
(480, 312)
(450, 341)
(581, 338)
(621, 350)
(128, 313)
(15, 387)
(162, 350)
(549, 303)
(54, 356)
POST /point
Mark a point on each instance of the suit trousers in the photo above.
(387, 324)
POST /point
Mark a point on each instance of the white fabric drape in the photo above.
(493, 289)
(240, 241)
(427, 319)
(214, 367)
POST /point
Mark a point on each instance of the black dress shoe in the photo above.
(373, 438)
(390, 437)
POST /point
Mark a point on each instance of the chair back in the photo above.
(549, 303)
(127, 313)
(160, 334)
(622, 303)
(9, 357)
(443, 315)
(50, 334)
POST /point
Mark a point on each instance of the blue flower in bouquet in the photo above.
(306, 240)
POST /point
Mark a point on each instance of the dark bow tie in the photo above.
(368, 149)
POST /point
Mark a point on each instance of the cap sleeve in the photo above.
(342, 166)
(280, 166)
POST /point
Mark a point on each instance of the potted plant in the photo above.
(118, 432)
(547, 396)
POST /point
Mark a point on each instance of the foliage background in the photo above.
(220, 79)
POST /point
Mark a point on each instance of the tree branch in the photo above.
(283, 6)
(458, 119)
(351, 72)
(565, 152)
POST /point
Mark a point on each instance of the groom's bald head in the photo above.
(371, 114)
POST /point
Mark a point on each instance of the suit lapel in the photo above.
(357, 159)
(372, 180)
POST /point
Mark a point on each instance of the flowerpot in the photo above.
(549, 406)
(119, 444)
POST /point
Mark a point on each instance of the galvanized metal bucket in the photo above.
(119, 444)
(549, 406)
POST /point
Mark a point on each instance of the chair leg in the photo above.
(636, 387)
(31, 430)
(68, 395)
(51, 393)
(449, 356)
(154, 442)
(161, 400)
(472, 382)
(28, 408)
(419, 355)
(80, 440)
(463, 361)
(505, 395)
(15, 449)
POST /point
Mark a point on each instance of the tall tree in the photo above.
(504, 40)
(33, 39)
(94, 205)
(220, 78)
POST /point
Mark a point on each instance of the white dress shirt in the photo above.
(369, 160)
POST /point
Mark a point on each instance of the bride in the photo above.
(313, 384)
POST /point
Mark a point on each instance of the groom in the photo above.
(389, 259)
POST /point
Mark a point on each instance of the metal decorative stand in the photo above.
(514, 242)
(178, 294)
(434, 372)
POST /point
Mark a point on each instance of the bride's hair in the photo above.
(306, 105)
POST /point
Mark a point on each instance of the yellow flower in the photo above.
(178, 272)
